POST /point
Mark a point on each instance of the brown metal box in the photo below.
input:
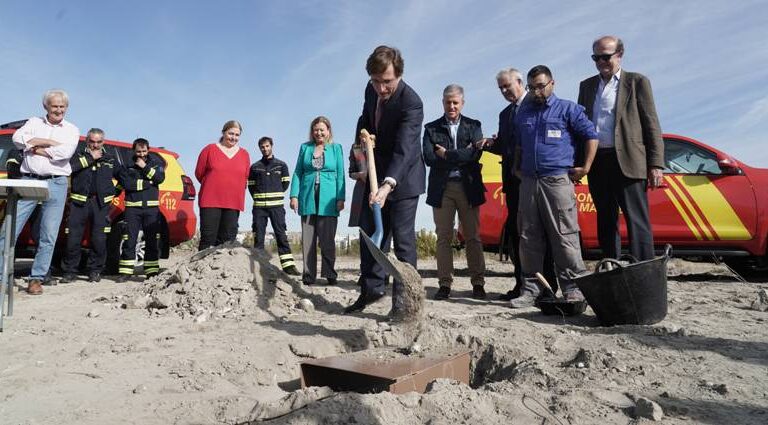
(396, 375)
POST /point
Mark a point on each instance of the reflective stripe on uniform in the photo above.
(83, 161)
(108, 229)
(268, 195)
(78, 197)
(127, 262)
(268, 203)
(153, 203)
(66, 230)
(286, 260)
(124, 270)
(251, 182)
(151, 173)
(285, 179)
(132, 203)
(108, 199)
(140, 184)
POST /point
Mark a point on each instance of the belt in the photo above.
(39, 177)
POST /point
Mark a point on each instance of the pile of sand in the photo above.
(224, 282)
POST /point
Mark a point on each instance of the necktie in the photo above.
(377, 115)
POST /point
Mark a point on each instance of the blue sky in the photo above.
(174, 72)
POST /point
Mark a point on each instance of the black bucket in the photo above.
(634, 294)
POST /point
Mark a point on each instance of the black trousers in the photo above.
(146, 220)
(399, 219)
(512, 239)
(98, 217)
(259, 227)
(217, 226)
(612, 191)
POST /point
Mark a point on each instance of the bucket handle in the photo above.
(603, 264)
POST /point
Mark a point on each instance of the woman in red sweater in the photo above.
(222, 170)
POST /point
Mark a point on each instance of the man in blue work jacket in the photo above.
(547, 132)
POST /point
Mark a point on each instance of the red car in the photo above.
(177, 195)
(712, 205)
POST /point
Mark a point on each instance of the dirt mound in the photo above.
(226, 281)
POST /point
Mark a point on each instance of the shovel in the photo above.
(374, 241)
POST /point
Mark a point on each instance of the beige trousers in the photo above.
(455, 200)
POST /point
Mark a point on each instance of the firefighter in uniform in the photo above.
(140, 182)
(268, 180)
(13, 163)
(90, 199)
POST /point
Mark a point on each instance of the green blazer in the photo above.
(332, 187)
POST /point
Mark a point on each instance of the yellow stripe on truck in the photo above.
(673, 193)
(173, 173)
(491, 167)
(715, 208)
(680, 187)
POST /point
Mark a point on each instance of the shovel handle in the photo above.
(370, 142)
(544, 283)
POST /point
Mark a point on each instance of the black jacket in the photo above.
(505, 146)
(90, 176)
(142, 184)
(397, 152)
(465, 157)
(268, 180)
(13, 163)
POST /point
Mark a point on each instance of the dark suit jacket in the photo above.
(505, 146)
(465, 157)
(397, 152)
(637, 132)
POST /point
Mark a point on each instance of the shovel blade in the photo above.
(381, 257)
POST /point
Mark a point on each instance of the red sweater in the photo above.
(223, 180)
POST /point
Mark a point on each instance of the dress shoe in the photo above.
(443, 293)
(478, 292)
(94, 277)
(362, 302)
(123, 278)
(35, 287)
(291, 270)
(526, 299)
(68, 278)
(332, 281)
(509, 296)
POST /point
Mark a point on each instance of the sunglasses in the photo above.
(606, 57)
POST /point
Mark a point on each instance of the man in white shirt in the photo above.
(48, 143)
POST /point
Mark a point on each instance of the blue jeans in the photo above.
(50, 220)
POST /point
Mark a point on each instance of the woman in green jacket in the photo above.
(317, 195)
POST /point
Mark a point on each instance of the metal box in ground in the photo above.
(373, 374)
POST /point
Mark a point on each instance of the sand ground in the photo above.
(218, 340)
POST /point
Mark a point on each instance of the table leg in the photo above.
(6, 280)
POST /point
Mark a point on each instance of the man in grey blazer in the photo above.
(630, 156)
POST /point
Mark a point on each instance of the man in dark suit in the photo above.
(393, 112)
(455, 185)
(630, 156)
(512, 87)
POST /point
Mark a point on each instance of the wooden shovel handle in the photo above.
(370, 142)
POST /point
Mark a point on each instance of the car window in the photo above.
(685, 158)
(6, 145)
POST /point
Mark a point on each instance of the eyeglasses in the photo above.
(539, 87)
(606, 57)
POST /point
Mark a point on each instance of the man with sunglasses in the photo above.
(630, 154)
(547, 132)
